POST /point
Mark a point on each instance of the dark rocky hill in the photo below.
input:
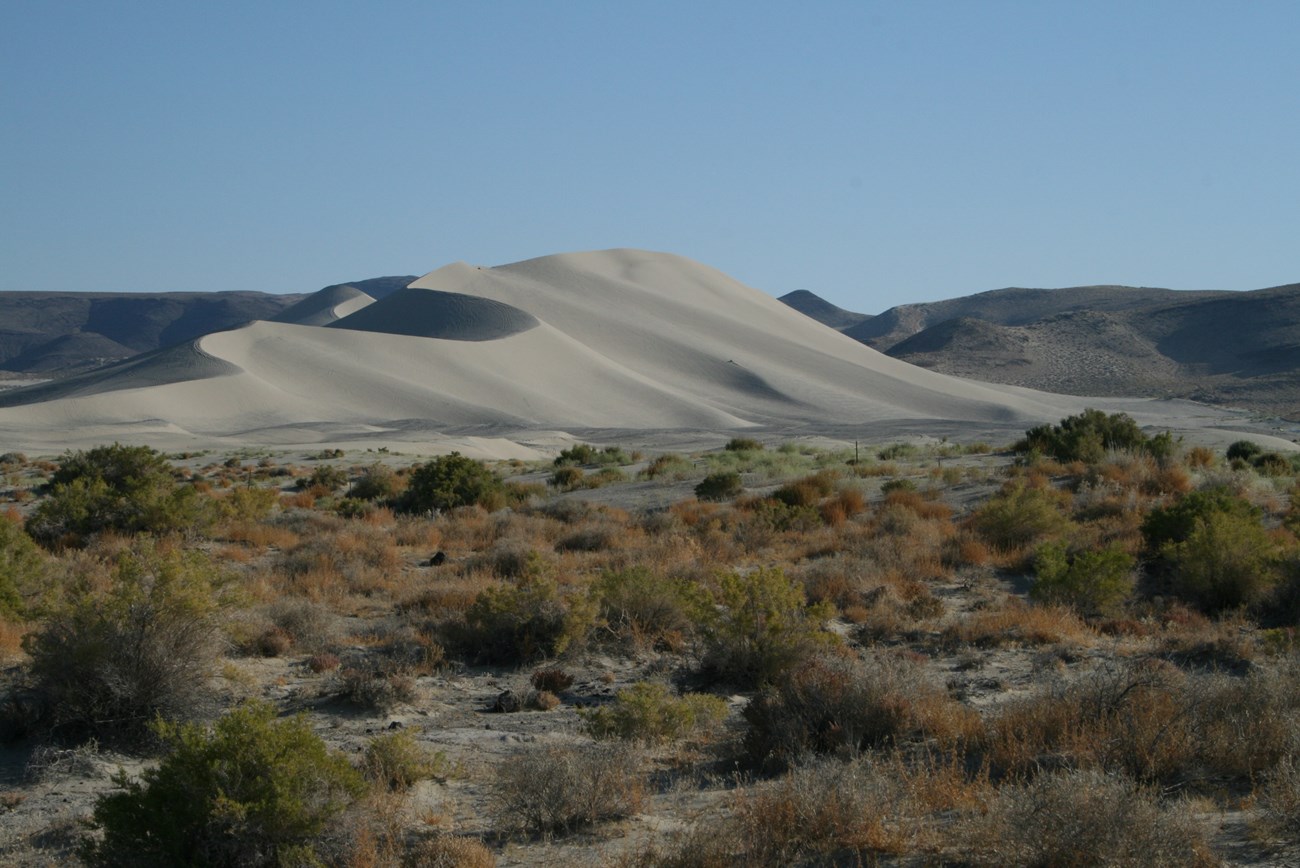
(60, 332)
(1236, 348)
(822, 310)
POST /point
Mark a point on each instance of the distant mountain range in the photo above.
(1234, 348)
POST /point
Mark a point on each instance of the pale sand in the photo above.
(633, 344)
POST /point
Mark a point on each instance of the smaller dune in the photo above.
(322, 308)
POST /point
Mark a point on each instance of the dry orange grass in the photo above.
(1018, 623)
(261, 536)
(11, 640)
(300, 500)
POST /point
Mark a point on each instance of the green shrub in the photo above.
(567, 477)
(670, 465)
(447, 482)
(1087, 437)
(1175, 523)
(585, 453)
(246, 504)
(109, 659)
(719, 486)
(1227, 561)
(760, 626)
(252, 791)
(325, 476)
(1244, 450)
(23, 571)
(523, 621)
(579, 453)
(648, 712)
(743, 444)
(1092, 582)
(128, 489)
(1272, 464)
(396, 761)
(897, 485)
(807, 491)
(1019, 517)
(376, 482)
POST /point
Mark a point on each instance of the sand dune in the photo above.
(324, 307)
(619, 339)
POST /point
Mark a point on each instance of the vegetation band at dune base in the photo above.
(1075, 649)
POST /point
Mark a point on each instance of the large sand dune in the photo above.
(619, 339)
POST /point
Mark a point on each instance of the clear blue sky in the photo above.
(875, 153)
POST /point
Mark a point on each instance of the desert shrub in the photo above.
(252, 791)
(1174, 523)
(1127, 717)
(1092, 582)
(1085, 437)
(585, 453)
(23, 570)
(447, 482)
(567, 477)
(670, 465)
(892, 485)
(553, 680)
(1019, 517)
(376, 482)
(1075, 819)
(1243, 450)
(646, 607)
(1278, 801)
(112, 656)
(351, 507)
(760, 626)
(396, 761)
(719, 486)
(743, 444)
(807, 491)
(592, 538)
(246, 504)
(1273, 464)
(128, 489)
(825, 813)
(836, 706)
(648, 712)
(309, 625)
(325, 476)
(522, 621)
(897, 451)
(559, 789)
(449, 851)
(1227, 561)
(376, 685)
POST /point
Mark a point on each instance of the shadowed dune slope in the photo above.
(428, 313)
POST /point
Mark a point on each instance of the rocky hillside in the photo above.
(1234, 348)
